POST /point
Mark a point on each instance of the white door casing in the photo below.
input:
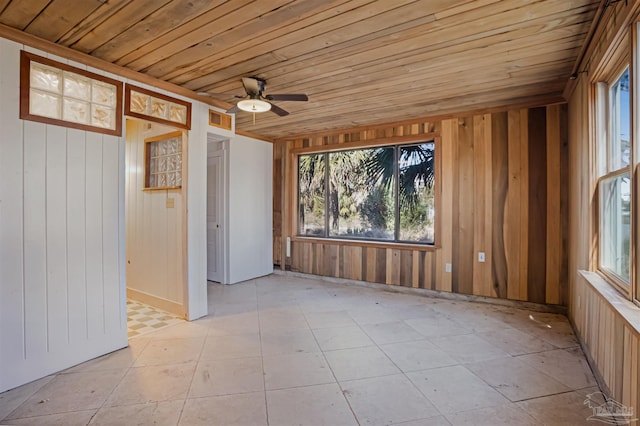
(215, 195)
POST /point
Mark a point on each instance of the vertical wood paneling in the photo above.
(512, 216)
(61, 241)
(35, 237)
(554, 230)
(11, 219)
(486, 173)
(464, 258)
(76, 229)
(499, 174)
(537, 205)
(56, 237)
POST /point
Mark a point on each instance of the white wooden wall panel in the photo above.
(154, 232)
(61, 240)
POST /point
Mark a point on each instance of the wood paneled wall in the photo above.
(503, 192)
(62, 294)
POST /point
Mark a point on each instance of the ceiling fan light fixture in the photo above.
(254, 105)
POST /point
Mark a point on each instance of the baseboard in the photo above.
(157, 302)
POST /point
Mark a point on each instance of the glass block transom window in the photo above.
(164, 161)
(156, 107)
(60, 94)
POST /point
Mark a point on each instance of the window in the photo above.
(152, 106)
(380, 194)
(614, 185)
(163, 155)
(56, 93)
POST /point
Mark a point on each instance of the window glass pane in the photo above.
(361, 187)
(45, 78)
(45, 104)
(104, 94)
(311, 195)
(416, 197)
(619, 121)
(76, 111)
(103, 117)
(615, 200)
(76, 86)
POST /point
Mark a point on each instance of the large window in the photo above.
(614, 183)
(381, 194)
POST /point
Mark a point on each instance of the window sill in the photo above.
(366, 243)
(625, 308)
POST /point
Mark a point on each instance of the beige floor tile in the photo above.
(229, 410)
(231, 346)
(76, 418)
(164, 413)
(12, 399)
(227, 376)
(70, 392)
(297, 369)
(312, 405)
(360, 363)
(152, 384)
(288, 341)
(391, 332)
(431, 421)
(329, 319)
(243, 323)
(331, 339)
(468, 348)
(417, 355)
(515, 342)
(515, 379)
(181, 330)
(282, 319)
(562, 409)
(437, 326)
(568, 366)
(170, 351)
(387, 400)
(500, 415)
(454, 389)
(372, 314)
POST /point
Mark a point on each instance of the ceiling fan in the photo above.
(256, 101)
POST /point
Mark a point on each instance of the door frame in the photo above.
(218, 145)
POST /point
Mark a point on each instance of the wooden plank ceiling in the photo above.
(361, 62)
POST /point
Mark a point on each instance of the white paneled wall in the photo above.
(154, 231)
(62, 294)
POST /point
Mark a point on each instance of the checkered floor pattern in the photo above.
(142, 319)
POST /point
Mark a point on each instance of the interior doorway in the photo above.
(215, 207)
(155, 228)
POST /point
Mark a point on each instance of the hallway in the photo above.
(284, 350)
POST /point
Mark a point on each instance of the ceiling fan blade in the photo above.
(251, 85)
(276, 109)
(288, 97)
(233, 109)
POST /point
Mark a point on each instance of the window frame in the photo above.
(26, 58)
(433, 138)
(603, 165)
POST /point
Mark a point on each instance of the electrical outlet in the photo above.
(447, 267)
(171, 202)
(288, 249)
(481, 256)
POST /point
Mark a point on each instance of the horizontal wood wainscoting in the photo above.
(503, 182)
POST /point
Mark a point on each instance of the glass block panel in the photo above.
(161, 148)
(162, 164)
(45, 78)
(103, 117)
(152, 181)
(77, 86)
(162, 179)
(178, 113)
(104, 94)
(173, 145)
(172, 163)
(159, 108)
(179, 162)
(171, 179)
(45, 104)
(139, 103)
(178, 178)
(76, 111)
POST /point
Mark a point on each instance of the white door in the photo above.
(214, 215)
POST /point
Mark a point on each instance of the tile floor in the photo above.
(143, 319)
(284, 350)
